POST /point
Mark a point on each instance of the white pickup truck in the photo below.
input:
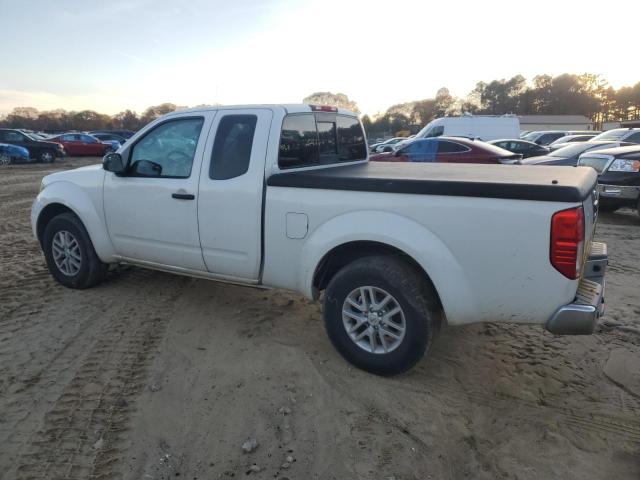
(284, 196)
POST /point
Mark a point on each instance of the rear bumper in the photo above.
(580, 316)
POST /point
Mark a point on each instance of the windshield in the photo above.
(611, 135)
(572, 150)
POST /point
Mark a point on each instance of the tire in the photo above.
(410, 291)
(5, 159)
(68, 231)
(47, 156)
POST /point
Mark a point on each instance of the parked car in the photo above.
(82, 144)
(103, 137)
(39, 150)
(524, 133)
(13, 154)
(523, 147)
(126, 134)
(563, 141)
(483, 127)
(545, 137)
(447, 150)
(388, 145)
(618, 176)
(568, 156)
(631, 135)
(397, 248)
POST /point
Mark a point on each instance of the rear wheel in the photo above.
(47, 156)
(5, 159)
(69, 253)
(381, 314)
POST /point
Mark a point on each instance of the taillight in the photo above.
(567, 241)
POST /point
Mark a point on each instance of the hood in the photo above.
(81, 176)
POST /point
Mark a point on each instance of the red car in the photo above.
(447, 150)
(81, 144)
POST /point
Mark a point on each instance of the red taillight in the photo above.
(567, 241)
(323, 108)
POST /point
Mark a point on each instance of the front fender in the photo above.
(88, 207)
(397, 231)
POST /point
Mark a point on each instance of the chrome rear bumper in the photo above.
(580, 316)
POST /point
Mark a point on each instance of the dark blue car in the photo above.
(12, 154)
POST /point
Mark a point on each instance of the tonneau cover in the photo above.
(519, 182)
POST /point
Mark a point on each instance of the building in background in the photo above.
(555, 122)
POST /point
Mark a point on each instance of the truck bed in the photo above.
(519, 182)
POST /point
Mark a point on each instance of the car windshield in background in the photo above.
(597, 163)
(572, 150)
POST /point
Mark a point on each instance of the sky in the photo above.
(110, 56)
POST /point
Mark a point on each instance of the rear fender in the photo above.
(396, 231)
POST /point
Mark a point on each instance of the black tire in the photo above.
(47, 156)
(412, 292)
(91, 271)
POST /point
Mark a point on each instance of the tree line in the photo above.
(585, 94)
(85, 120)
(566, 94)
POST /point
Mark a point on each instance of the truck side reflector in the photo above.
(567, 241)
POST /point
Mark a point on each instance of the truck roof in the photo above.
(287, 107)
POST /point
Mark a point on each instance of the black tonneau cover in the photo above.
(519, 182)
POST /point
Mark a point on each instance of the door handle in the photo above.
(183, 196)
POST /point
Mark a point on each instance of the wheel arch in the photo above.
(65, 197)
(357, 234)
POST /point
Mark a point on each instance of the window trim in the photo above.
(127, 167)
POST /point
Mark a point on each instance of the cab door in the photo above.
(151, 211)
(231, 193)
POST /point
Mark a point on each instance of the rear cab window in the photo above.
(321, 138)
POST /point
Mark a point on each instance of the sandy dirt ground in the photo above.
(154, 376)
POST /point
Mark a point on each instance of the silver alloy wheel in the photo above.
(5, 159)
(66, 253)
(46, 157)
(373, 319)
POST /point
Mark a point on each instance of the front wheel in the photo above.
(381, 314)
(5, 159)
(69, 253)
(47, 156)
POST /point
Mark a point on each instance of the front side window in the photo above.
(167, 150)
(308, 140)
(232, 147)
(436, 131)
(68, 138)
(88, 139)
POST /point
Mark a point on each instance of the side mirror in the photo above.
(112, 162)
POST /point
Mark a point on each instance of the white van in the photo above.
(483, 127)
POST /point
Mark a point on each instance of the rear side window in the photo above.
(309, 139)
(450, 147)
(298, 141)
(232, 147)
